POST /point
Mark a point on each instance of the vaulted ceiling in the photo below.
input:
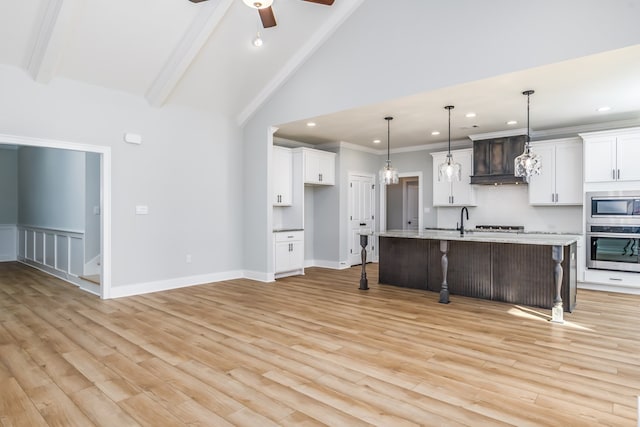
(201, 55)
(169, 51)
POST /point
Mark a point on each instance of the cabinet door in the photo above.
(568, 166)
(462, 192)
(542, 187)
(599, 159)
(282, 176)
(327, 168)
(296, 255)
(628, 153)
(319, 167)
(441, 189)
(282, 258)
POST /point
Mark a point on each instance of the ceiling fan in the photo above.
(266, 12)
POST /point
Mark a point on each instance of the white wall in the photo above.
(383, 52)
(188, 171)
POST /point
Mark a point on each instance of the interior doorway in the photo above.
(104, 157)
(401, 205)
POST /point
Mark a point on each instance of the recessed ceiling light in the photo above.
(435, 132)
(603, 109)
(311, 124)
(470, 115)
(376, 141)
(512, 122)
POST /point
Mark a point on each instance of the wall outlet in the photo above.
(188, 259)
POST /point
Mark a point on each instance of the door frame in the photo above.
(105, 193)
(383, 200)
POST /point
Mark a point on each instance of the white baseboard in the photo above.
(179, 282)
(334, 265)
(259, 276)
(609, 288)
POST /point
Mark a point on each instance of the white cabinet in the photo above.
(456, 193)
(288, 253)
(319, 167)
(282, 176)
(560, 179)
(612, 155)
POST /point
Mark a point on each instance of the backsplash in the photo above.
(509, 205)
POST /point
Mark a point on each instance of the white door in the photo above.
(411, 205)
(361, 218)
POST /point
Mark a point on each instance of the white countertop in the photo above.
(550, 239)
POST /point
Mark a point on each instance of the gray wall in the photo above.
(358, 66)
(188, 170)
(394, 206)
(8, 185)
(51, 188)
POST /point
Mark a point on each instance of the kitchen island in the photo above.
(534, 269)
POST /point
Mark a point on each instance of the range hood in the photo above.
(493, 160)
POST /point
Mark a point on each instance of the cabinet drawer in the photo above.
(289, 236)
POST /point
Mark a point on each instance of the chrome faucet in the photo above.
(462, 211)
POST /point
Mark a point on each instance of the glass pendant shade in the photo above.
(389, 174)
(528, 163)
(449, 170)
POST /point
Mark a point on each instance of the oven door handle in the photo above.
(615, 235)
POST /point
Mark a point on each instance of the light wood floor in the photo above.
(308, 351)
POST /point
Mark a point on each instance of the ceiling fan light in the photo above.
(254, 4)
(257, 41)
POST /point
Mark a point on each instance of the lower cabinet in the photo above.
(288, 253)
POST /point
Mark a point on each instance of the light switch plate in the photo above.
(142, 210)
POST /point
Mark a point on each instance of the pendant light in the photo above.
(449, 170)
(527, 163)
(388, 174)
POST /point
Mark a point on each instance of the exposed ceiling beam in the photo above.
(53, 33)
(185, 52)
(343, 9)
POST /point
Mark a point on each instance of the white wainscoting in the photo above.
(8, 240)
(57, 252)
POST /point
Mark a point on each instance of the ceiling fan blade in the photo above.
(325, 2)
(267, 17)
(196, 1)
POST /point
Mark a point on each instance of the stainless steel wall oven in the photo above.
(613, 230)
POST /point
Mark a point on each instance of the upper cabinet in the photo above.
(560, 179)
(456, 193)
(319, 167)
(611, 155)
(282, 176)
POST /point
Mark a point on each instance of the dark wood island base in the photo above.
(526, 274)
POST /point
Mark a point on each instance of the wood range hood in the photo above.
(493, 160)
